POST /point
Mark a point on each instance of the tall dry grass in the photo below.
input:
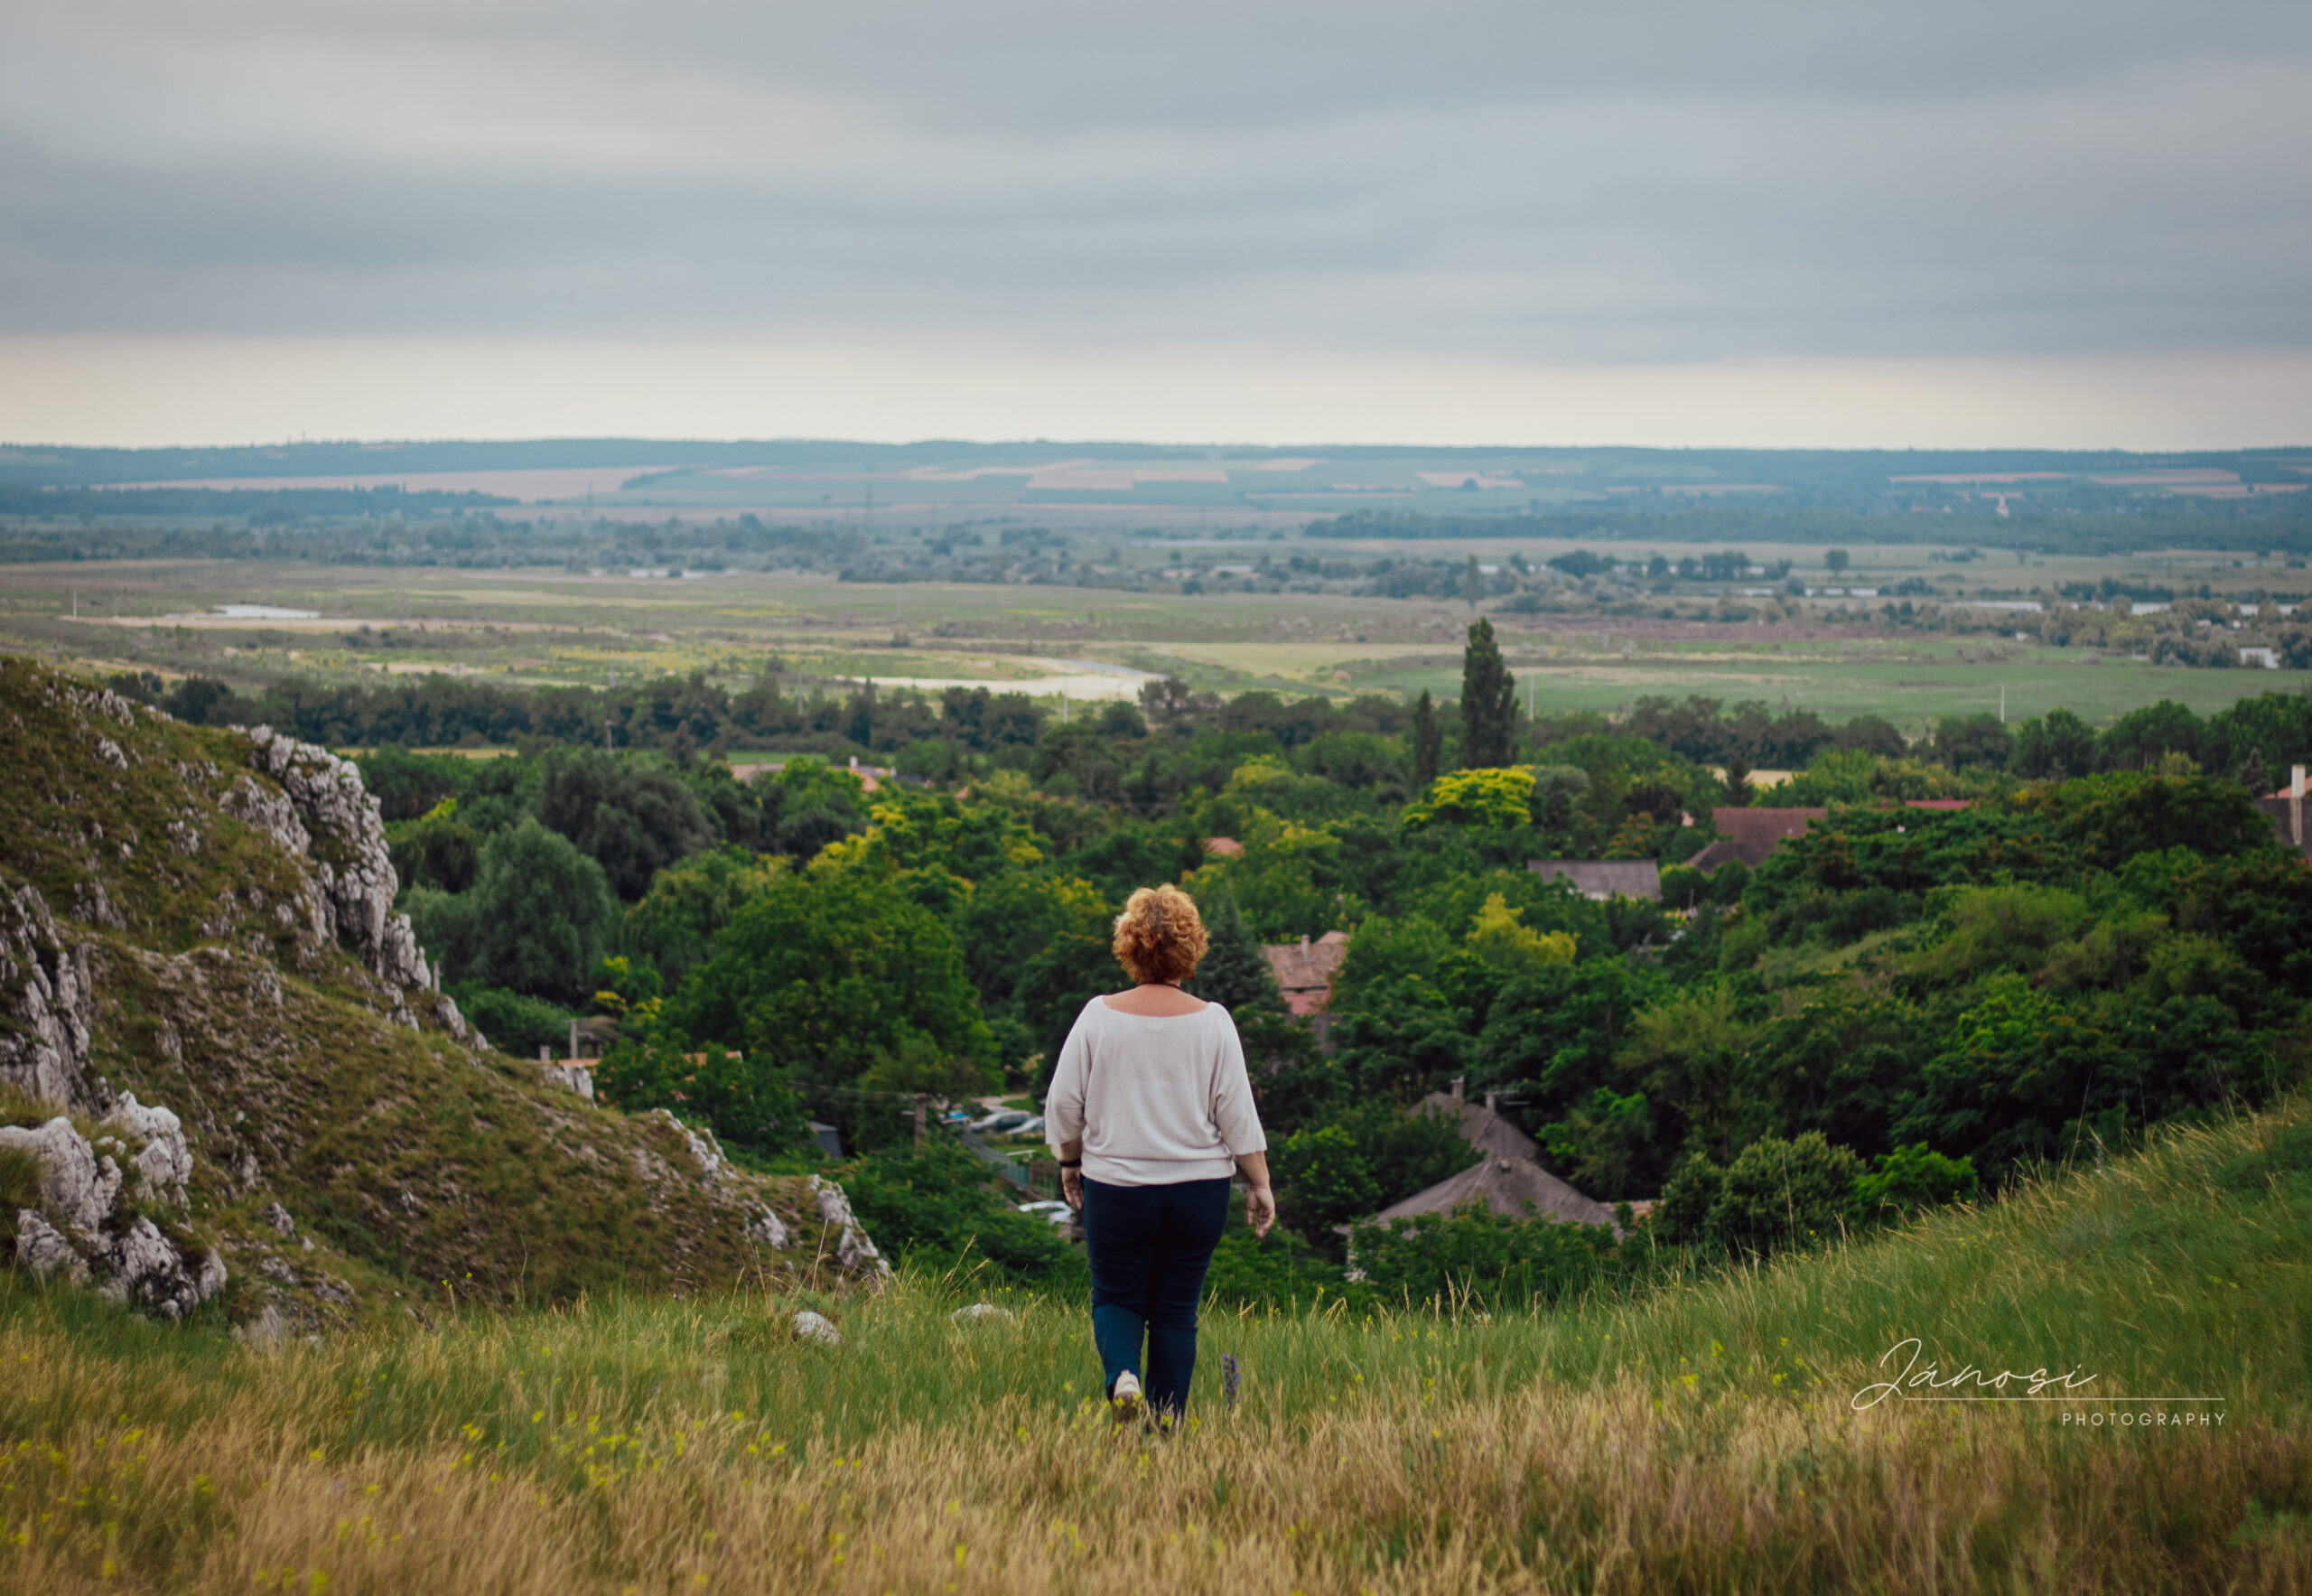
(1703, 1440)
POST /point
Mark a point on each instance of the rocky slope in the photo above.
(204, 920)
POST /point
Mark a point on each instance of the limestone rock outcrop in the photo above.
(46, 1004)
(853, 1249)
(85, 1229)
(331, 819)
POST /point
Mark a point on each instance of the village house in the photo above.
(1600, 878)
(1509, 1181)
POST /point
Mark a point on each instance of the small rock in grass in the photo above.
(815, 1327)
(982, 1310)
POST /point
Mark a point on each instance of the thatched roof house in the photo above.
(1514, 1187)
(1482, 1125)
(1509, 1180)
(1600, 878)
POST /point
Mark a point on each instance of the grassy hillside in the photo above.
(1705, 1440)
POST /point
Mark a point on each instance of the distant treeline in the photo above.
(2280, 522)
(367, 530)
(1105, 753)
(2256, 738)
(262, 507)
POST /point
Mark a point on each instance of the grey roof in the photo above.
(1514, 1187)
(1483, 1128)
(1601, 879)
(1726, 850)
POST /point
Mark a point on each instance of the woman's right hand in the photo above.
(1071, 1187)
(1260, 1209)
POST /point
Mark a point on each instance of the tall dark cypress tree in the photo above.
(1234, 971)
(1428, 742)
(1488, 700)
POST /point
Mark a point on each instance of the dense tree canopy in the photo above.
(1899, 1007)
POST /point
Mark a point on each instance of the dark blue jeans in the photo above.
(1149, 1247)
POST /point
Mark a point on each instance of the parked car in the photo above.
(1031, 1127)
(1058, 1213)
(1002, 1119)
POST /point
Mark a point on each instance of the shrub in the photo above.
(1911, 1178)
(514, 1023)
(938, 1205)
(1474, 1254)
(744, 1098)
(1775, 1195)
(1781, 1194)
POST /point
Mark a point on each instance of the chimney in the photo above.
(546, 1054)
(1457, 1086)
(854, 761)
(2295, 805)
(573, 1038)
(1304, 945)
(1488, 1102)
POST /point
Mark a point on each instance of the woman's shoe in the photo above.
(1124, 1398)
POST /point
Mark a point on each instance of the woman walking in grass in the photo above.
(1150, 1114)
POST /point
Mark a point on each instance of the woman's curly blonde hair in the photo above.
(1160, 936)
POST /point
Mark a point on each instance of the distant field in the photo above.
(540, 626)
(1906, 692)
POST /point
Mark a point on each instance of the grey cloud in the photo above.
(1646, 182)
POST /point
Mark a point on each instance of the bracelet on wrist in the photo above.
(1071, 1164)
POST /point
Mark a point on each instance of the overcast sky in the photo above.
(1943, 221)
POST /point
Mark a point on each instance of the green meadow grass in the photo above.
(1701, 1437)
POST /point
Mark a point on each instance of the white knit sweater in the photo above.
(1157, 1100)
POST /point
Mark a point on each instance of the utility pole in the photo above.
(920, 1100)
(610, 744)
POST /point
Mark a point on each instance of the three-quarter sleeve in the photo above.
(1064, 1104)
(1234, 1114)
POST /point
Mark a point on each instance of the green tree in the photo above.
(1776, 1195)
(1972, 741)
(632, 814)
(674, 925)
(1912, 1179)
(514, 1023)
(745, 1100)
(1235, 972)
(1428, 742)
(2253, 773)
(1503, 940)
(939, 1206)
(1325, 1179)
(435, 850)
(1488, 700)
(1836, 560)
(2052, 747)
(831, 973)
(1476, 1253)
(538, 919)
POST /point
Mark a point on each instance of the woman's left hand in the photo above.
(1071, 1187)
(1260, 1209)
